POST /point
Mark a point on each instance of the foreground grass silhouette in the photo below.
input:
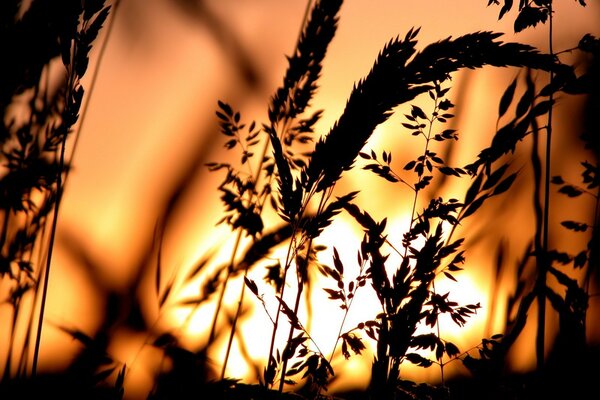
(281, 173)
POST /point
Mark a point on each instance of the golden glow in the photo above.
(152, 114)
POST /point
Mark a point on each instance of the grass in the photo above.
(284, 171)
(33, 151)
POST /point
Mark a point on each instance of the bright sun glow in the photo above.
(251, 343)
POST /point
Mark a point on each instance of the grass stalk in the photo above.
(4, 232)
(75, 57)
(278, 313)
(439, 335)
(213, 328)
(46, 275)
(543, 268)
(416, 187)
(538, 241)
(236, 247)
(427, 136)
(232, 333)
(302, 272)
(11, 341)
(93, 81)
(590, 270)
(260, 208)
(59, 190)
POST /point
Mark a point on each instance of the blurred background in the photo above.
(150, 126)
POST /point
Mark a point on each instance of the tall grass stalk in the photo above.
(33, 151)
(79, 45)
(258, 172)
(540, 346)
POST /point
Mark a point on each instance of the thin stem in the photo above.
(281, 293)
(291, 332)
(339, 334)
(234, 324)
(589, 271)
(71, 82)
(233, 256)
(4, 232)
(346, 312)
(538, 207)
(292, 249)
(287, 263)
(302, 271)
(238, 239)
(304, 19)
(46, 275)
(242, 292)
(11, 340)
(416, 188)
(260, 205)
(439, 333)
(39, 240)
(59, 190)
(543, 268)
(40, 229)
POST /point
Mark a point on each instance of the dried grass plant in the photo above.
(285, 168)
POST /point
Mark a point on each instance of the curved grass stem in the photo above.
(543, 267)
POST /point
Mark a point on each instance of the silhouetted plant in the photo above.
(531, 107)
(411, 298)
(399, 75)
(33, 147)
(278, 172)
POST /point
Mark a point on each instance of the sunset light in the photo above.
(299, 199)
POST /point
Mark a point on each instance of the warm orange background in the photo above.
(151, 116)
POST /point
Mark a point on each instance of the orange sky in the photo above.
(151, 114)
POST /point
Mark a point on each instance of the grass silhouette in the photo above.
(285, 171)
